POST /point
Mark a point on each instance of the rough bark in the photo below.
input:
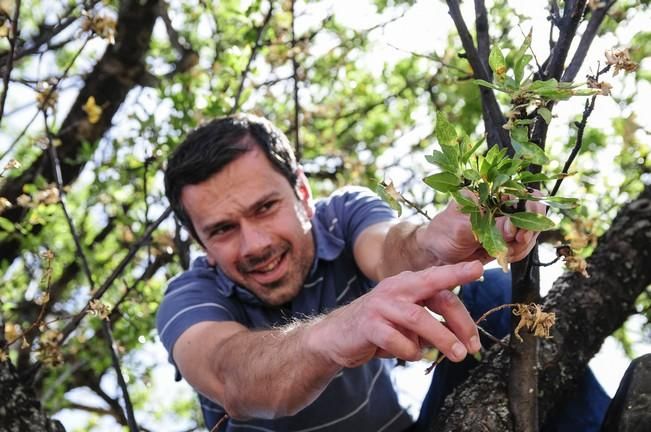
(629, 410)
(20, 411)
(120, 69)
(587, 311)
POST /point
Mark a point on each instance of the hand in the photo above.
(391, 320)
(450, 239)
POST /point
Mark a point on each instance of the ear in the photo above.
(304, 192)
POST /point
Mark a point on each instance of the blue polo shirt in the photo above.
(357, 399)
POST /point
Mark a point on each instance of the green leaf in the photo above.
(445, 132)
(483, 193)
(484, 83)
(528, 177)
(443, 182)
(471, 151)
(545, 114)
(560, 202)
(497, 62)
(518, 68)
(531, 221)
(500, 179)
(520, 134)
(393, 203)
(441, 160)
(7, 225)
(471, 174)
(530, 151)
(552, 89)
(466, 204)
(451, 152)
(490, 237)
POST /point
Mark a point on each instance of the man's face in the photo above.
(254, 227)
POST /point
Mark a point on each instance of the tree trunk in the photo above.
(587, 311)
(20, 411)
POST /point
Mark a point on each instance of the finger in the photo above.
(507, 229)
(393, 343)
(415, 287)
(524, 237)
(457, 318)
(480, 255)
(417, 319)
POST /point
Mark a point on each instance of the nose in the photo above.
(253, 239)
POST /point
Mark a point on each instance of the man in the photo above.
(281, 325)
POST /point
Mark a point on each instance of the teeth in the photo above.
(270, 266)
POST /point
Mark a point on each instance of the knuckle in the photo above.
(414, 316)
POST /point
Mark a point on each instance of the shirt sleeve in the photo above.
(353, 209)
(191, 298)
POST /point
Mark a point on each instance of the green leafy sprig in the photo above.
(490, 185)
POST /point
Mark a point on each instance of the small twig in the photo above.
(297, 105)
(219, 423)
(46, 99)
(56, 167)
(483, 331)
(547, 264)
(431, 57)
(10, 61)
(131, 419)
(74, 323)
(492, 338)
(254, 53)
(587, 111)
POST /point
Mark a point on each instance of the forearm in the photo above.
(402, 250)
(268, 374)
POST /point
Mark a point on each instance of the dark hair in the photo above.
(209, 148)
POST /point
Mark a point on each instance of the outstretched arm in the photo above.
(275, 373)
(387, 248)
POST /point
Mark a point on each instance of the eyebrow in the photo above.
(249, 210)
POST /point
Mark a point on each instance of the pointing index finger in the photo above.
(423, 285)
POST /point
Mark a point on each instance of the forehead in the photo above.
(238, 185)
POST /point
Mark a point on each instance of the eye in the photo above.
(267, 207)
(221, 230)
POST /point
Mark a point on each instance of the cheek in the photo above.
(220, 256)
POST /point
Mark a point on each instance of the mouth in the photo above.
(269, 271)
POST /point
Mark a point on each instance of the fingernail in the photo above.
(459, 350)
(475, 344)
(509, 227)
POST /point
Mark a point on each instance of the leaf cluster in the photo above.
(489, 185)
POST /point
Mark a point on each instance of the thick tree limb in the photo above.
(113, 77)
(596, 18)
(21, 410)
(495, 133)
(587, 310)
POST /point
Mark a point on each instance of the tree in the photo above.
(96, 95)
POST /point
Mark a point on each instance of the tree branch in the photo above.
(254, 53)
(115, 74)
(74, 322)
(596, 18)
(495, 133)
(297, 104)
(10, 60)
